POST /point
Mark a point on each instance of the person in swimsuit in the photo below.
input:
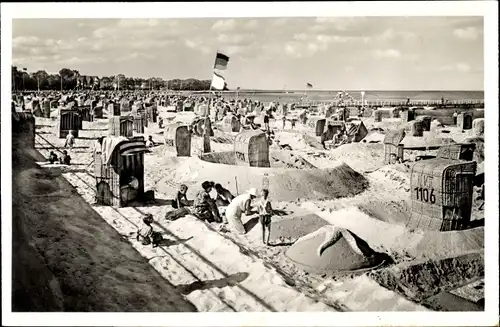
(265, 215)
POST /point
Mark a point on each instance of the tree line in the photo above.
(69, 79)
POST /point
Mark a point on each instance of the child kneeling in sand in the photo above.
(146, 234)
(265, 215)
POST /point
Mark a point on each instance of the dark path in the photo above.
(67, 258)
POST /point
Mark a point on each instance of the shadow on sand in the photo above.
(215, 283)
(251, 223)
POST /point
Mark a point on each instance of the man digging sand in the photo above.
(240, 205)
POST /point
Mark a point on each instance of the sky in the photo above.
(332, 53)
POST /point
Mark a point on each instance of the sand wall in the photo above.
(418, 281)
(284, 184)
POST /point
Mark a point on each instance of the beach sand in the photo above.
(225, 272)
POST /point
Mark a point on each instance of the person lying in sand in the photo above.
(242, 204)
(224, 196)
(205, 207)
(53, 157)
(265, 215)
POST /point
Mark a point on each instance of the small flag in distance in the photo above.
(221, 61)
(309, 85)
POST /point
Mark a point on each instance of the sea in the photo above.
(295, 96)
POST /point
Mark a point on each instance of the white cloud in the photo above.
(102, 32)
(280, 22)
(132, 23)
(468, 33)
(464, 68)
(338, 23)
(302, 49)
(79, 60)
(391, 34)
(251, 24)
(234, 38)
(461, 67)
(25, 41)
(224, 25)
(135, 55)
(388, 34)
(198, 45)
(389, 53)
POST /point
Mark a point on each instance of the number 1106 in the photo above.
(424, 195)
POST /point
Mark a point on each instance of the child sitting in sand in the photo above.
(150, 143)
(146, 234)
(265, 215)
(181, 200)
(65, 159)
(52, 157)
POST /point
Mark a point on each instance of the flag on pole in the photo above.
(309, 86)
(221, 61)
(218, 82)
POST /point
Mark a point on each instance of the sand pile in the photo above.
(284, 184)
(374, 137)
(362, 157)
(295, 140)
(397, 240)
(280, 158)
(427, 140)
(312, 142)
(331, 249)
(419, 280)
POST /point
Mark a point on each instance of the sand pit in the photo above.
(284, 184)
(362, 157)
(420, 280)
(289, 230)
(330, 250)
